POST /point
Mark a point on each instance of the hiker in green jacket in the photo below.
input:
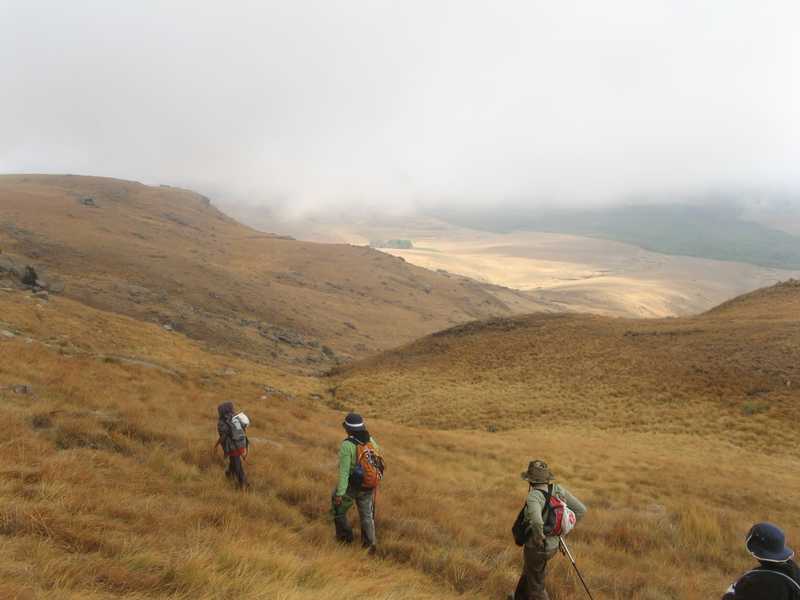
(357, 482)
(542, 544)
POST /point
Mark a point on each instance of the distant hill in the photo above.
(715, 232)
(168, 256)
(730, 373)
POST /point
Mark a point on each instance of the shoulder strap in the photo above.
(784, 575)
(546, 494)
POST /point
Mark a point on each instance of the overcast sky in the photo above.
(395, 103)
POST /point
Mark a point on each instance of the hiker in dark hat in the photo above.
(776, 577)
(233, 440)
(542, 531)
(360, 469)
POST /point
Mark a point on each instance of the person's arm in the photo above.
(574, 504)
(346, 452)
(533, 514)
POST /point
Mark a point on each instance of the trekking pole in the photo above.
(572, 560)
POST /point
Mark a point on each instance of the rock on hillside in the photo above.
(167, 255)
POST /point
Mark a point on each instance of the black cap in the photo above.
(354, 422)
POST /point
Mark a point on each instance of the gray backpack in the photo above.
(238, 435)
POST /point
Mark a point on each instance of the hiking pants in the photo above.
(365, 502)
(236, 471)
(531, 582)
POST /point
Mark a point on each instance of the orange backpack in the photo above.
(369, 466)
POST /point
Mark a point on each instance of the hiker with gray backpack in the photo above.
(232, 430)
(549, 514)
(776, 577)
(361, 469)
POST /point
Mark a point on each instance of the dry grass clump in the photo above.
(108, 488)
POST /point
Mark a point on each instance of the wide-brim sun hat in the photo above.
(538, 472)
(766, 542)
(353, 422)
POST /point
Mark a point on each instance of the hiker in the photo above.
(360, 470)
(543, 520)
(777, 577)
(233, 439)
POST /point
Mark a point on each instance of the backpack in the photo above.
(558, 518)
(244, 421)
(237, 433)
(520, 529)
(369, 467)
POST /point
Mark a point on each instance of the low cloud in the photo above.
(317, 105)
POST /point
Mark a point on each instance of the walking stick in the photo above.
(569, 555)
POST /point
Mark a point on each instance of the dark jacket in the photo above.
(225, 412)
(767, 581)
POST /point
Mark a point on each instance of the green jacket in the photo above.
(347, 464)
(533, 514)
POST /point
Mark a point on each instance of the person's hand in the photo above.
(337, 500)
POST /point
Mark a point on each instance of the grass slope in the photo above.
(108, 488)
(732, 373)
(678, 434)
(167, 255)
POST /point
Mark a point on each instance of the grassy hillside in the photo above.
(732, 373)
(168, 256)
(677, 433)
(109, 490)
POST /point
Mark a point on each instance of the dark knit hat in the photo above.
(225, 410)
(538, 472)
(354, 422)
(767, 543)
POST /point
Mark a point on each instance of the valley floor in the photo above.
(558, 271)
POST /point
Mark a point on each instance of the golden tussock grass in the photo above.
(108, 487)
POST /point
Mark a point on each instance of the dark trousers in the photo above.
(531, 582)
(236, 471)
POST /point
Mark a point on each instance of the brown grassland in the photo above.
(109, 489)
(168, 256)
(678, 434)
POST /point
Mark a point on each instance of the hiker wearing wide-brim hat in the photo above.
(541, 539)
(777, 576)
(538, 472)
(360, 469)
